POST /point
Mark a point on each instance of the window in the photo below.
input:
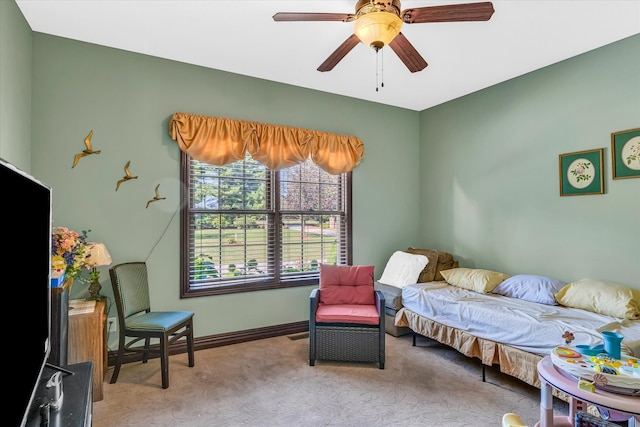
(246, 228)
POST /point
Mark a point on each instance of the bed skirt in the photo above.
(512, 361)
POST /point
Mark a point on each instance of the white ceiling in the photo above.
(241, 37)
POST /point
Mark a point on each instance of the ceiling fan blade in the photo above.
(339, 53)
(302, 16)
(407, 53)
(449, 13)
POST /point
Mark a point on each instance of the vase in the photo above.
(612, 342)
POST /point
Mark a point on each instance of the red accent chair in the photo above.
(346, 319)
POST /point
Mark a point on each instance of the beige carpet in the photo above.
(269, 383)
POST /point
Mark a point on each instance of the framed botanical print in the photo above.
(581, 173)
(625, 154)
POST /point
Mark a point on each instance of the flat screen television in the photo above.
(26, 236)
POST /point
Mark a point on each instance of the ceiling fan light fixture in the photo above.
(377, 23)
(377, 29)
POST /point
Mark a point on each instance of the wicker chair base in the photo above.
(352, 344)
(349, 342)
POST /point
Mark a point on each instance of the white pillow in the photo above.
(530, 287)
(403, 269)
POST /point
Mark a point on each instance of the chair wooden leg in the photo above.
(164, 361)
(190, 347)
(118, 363)
(147, 346)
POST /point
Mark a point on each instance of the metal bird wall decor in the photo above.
(157, 197)
(87, 151)
(127, 175)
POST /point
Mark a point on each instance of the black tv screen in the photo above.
(27, 215)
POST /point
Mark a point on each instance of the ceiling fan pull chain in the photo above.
(376, 70)
(379, 66)
(382, 69)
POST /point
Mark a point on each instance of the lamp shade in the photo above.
(377, 29)
(97, 255)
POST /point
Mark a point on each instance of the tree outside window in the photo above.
(246, 228)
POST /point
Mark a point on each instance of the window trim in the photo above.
(185, 289)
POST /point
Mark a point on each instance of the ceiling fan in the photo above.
(377, 23)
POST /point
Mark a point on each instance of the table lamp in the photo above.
(97, 256)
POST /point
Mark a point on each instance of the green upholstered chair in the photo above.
(138, 323)
(346, 321)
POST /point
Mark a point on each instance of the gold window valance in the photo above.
(220, 141)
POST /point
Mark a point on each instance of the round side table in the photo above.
(551, 378)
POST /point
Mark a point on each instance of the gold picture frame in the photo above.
(625, 154)
(581, 172)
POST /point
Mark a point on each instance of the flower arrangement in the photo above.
(68, 250)
(580, 171)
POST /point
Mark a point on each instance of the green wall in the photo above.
(15, 87)
(477, 176)
(127, 100)
(490, 178)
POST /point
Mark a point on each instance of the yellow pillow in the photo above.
(601, 297)
(474, 279)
